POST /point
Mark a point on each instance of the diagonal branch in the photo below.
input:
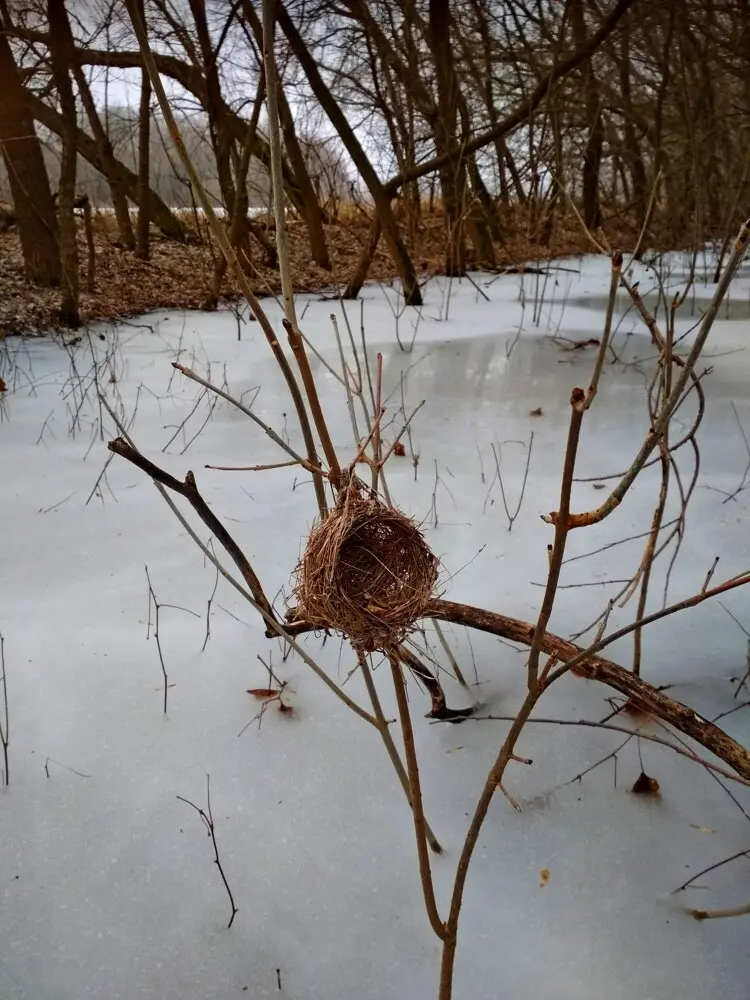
(644, 695)
(189, 490)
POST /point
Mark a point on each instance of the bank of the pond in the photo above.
(179, 275)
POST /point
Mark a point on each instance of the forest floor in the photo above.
(178, 275)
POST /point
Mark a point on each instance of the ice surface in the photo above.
(107, 886)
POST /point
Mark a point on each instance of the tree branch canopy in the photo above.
(524, 111)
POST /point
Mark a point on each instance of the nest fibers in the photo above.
(367, 571)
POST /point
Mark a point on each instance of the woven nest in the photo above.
(366, 572)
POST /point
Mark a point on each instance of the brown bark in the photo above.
(481, 218)
(27, 174)
(88, 226)
(364, 261)
(592, 157)
(143, 244)
(60, 48)
(452, 174)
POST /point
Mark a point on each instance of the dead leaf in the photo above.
(538, 412)
(645, 785)
(703, 829)
(543, 878)
(600, 486)
(263, 692)
(398, 449)
(453, 749)
(3, 386)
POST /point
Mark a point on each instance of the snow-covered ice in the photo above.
(107, 882)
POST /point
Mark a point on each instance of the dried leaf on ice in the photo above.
(543, 877)
(263, 692)
(645, 785)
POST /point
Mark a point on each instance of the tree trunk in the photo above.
(88, 224)
(481, 217)
(27, 174)
(61, 45)
(592, 210)
(452, 175)
(514, 174)
(364, 262)
(592, 156)
(143, 245)
(401, 259)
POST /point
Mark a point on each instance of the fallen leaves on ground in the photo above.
(178, 276)
(264, 692)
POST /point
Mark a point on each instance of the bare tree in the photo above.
(61, 58)
(27, 173)
(143, 246)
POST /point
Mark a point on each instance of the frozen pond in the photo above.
(108, 882)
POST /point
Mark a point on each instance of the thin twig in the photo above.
(498, 454)
(208, 820)
(208, 611)
(590, 724)
(189, 373)
(577, 399)
(449, 653)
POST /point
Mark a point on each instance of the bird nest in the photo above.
(366, 571)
